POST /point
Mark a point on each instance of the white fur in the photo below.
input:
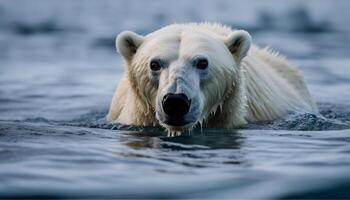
(244, 83)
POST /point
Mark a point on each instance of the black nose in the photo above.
(176, 105)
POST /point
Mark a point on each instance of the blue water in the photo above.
(58, 71)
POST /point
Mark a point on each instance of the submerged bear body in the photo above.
(185, 75)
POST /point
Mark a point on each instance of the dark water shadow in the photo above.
(48, 26)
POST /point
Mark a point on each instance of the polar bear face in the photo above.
(182, 76)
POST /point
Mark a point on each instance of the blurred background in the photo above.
(59, 69)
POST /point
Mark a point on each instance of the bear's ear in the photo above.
(239, 43)
(127, 43)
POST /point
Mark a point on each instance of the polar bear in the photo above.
(203, 74)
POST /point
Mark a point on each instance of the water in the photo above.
(58, 71)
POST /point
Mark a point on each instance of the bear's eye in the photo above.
(201, 63)
(155, 65)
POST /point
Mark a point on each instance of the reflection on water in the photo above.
(193, 149)
(195, 140)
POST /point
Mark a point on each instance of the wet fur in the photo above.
(265, 87)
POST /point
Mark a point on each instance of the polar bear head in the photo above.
(183, 74)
